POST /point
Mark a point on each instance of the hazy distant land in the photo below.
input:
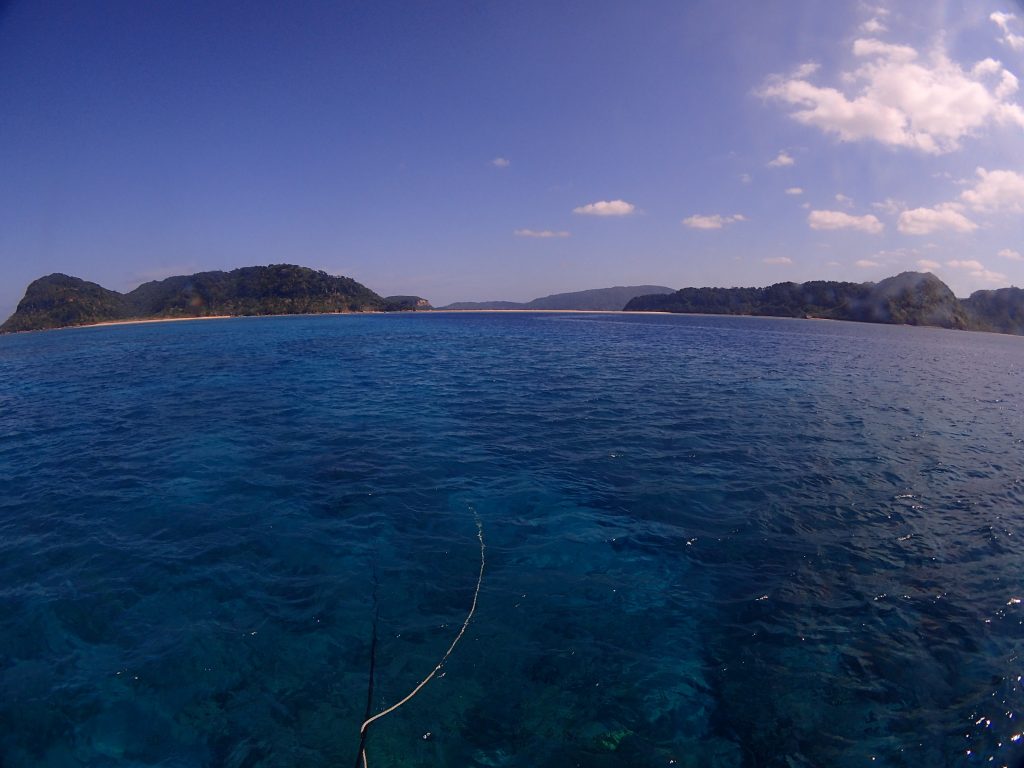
(910, 298)
(597, 299)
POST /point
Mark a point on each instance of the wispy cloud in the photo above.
(1006, 22)
(873, 26)
(902, 99)
(890, 206)
(606, 208)
(928, 264)
(544, 233)
(865, 263)
(945, 217)
(777, 260)
(795, 191)
(972, 264)
(989, 276)
(781, 160)
(500, 162)
(844, 200)
(841, 220)
(977, 270)
(715, 221)
(1009, 253)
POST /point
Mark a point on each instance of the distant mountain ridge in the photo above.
(59, 300)
(596, 299)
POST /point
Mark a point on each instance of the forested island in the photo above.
(910, 298)
(57, 300)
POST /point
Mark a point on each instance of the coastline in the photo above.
(335, 314)
(145, 321)
(141, 321)
(545, 311)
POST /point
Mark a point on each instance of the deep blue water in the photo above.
(713, 541)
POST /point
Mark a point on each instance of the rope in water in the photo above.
(440, 664)
(373, 662)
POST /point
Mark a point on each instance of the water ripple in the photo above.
(711, 542)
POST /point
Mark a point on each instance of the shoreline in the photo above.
(140, 321)
(148, 320)
(545, 311)
(107, 323)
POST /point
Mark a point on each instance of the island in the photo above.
(58, 301)
(909, 298)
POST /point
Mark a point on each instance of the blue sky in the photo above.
(465, 151)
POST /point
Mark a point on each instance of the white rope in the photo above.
(440, 664)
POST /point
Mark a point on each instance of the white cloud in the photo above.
(977, 270)
(873, 26)
(1008, 82)
(606, 208)
(500, 162)
(778, 260)
(900, 99)
(870, 47)
(806, 69)
(989, 276)
(745, 178)
(865, 263)
(844, 200)
(996, 192)
(1009, 253)
(715, 221)
(971, 264)
(928, 264)
(924, 221)
(781, 160)
(840, 220)
(795, 191)
(890, 206)
(1005, 21)
(540, 233)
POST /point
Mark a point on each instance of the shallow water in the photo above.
(710, 542)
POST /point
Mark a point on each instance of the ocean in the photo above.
(707, 541)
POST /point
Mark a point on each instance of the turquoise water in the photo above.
(709, 542)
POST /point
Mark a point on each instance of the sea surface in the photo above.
(713, 542)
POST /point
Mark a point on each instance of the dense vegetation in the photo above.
(406, 303)
(1001, 311)
(779, 300)
(58, 300)
(910, 298)
(597, 299)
